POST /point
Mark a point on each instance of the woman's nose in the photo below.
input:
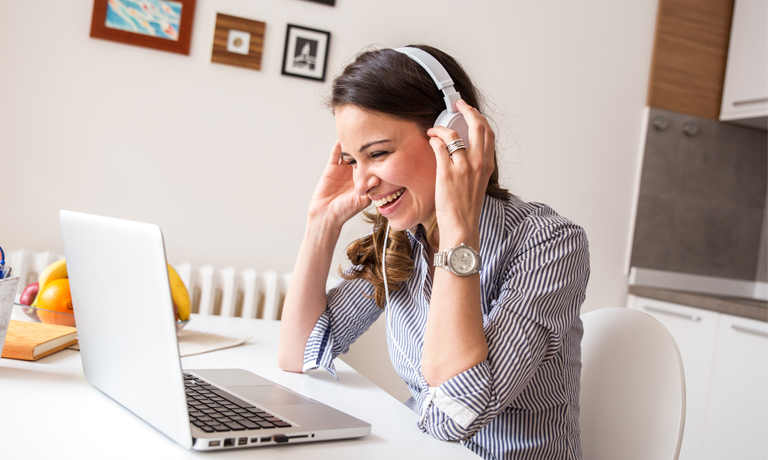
(364, 180)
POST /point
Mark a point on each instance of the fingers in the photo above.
(468, 111)
(480, 152)
(479, 130)
(446, 134)
(476, 122)
(335, 158)
(441, 152)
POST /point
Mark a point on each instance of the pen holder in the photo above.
(8, 289)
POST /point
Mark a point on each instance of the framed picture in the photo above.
(158, 24)
(306, 52)
(238, 41)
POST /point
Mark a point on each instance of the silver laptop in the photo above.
(129, 348)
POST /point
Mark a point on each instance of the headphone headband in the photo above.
(437, 72)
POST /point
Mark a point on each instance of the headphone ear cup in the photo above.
(456, 122)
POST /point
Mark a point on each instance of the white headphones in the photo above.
(450, 117)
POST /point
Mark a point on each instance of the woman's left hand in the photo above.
(462, 178)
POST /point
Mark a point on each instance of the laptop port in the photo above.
(266, 438)
(254, 440)
(280, 438)
(214, 443)
(229, 442)
(242, 441)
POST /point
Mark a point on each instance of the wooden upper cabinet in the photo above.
(690, 55)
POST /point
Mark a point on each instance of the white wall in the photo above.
(225, 159)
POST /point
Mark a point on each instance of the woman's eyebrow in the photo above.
(372, 143)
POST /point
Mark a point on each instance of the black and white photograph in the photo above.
(306, 52)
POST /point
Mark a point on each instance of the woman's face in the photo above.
(393, 164)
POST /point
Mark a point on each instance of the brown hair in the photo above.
(390, 82)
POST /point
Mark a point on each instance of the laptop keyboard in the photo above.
(212, 409)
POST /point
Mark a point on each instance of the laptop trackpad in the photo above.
(270, 395)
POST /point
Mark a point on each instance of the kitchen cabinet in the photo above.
(745, 91)
(736, 424)
(726, 376)
(689, 56)
(694, 331)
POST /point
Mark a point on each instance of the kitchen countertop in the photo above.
(745, 308)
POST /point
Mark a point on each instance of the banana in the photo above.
(54, 271)
(179, 294)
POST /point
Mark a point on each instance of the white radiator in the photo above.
(226, 291)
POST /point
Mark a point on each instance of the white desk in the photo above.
(49, 410)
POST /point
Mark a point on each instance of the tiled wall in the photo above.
(702, 198)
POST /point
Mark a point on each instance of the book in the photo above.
(31, 341)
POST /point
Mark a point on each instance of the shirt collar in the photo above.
(419, 236)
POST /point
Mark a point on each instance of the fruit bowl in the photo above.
(38, 315)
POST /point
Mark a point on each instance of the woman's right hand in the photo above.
(335, 200)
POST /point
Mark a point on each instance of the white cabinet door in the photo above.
(736, 424)
(694, 330)
(745, 91)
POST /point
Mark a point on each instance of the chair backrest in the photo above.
(632, 388)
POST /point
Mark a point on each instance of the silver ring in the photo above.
(453, 146)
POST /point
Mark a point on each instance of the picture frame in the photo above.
(164, 25)
(325, 2)
(238, 41)
(306, 52)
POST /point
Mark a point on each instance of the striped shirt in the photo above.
(522, 402)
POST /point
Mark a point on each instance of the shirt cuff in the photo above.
(462, 398)
(318, 352)
(454, 409)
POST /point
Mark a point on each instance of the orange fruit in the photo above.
(56, 298)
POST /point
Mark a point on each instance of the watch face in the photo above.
(462, 261)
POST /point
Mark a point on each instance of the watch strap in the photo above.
(440, 258)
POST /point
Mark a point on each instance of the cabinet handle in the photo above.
(694, 318)
(749, 330)
(751, 101)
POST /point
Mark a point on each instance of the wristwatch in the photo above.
(460, 260)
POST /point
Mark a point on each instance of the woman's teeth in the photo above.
(388, 198)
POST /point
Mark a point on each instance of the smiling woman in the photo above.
(490, 346)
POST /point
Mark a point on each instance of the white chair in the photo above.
(632, 388)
